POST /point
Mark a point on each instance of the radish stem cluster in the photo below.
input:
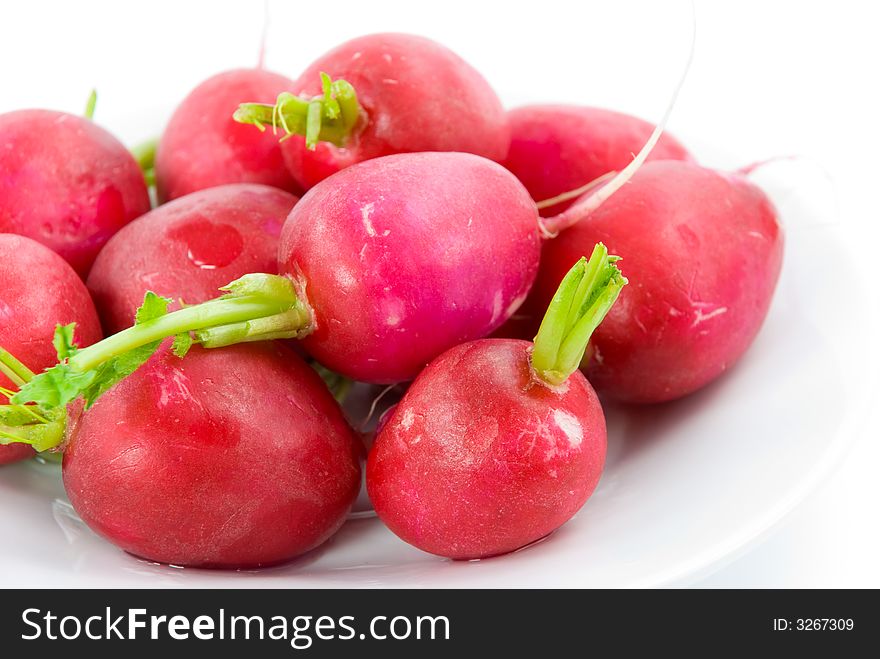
(330, 117)
(582, 300)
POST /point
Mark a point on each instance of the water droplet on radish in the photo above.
(209, 245)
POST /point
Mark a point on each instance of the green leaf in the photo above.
(15, 415)
(10, 436)
(54, 387)
(182, 343)
(63, 341)
(154, 306)
(41, 436)
(59, 385)
(116, 369)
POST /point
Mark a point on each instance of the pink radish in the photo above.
(499, 442)
(703, 250)
(67, 183)
(392, 93)
(203, 146)
(188, 248)
(403, 257)
(557, 148)
(37, 291)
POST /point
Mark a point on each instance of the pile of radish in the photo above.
(381, 219)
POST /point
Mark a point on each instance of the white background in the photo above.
(768, 79)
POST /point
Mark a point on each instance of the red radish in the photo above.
(498, 442)
(228, 458)
(15, 453)
(557, 148)
(704, 250)
(37, 291)
(188, 248)
(403, 257)
(395, 93)
(203, 146)
(67, 183)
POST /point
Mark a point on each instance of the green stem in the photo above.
(331, 117)
(20, 415)
(257, 307)
(339, 385)
(581, 302)
(223, 315)
(285, 325)
(145, 155)
(90, 105)
(13, 369)
(41, 436)
(215, 312)
(7, 436)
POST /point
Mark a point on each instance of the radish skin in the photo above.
(414, 94)
(557, 148)
(38, 290)
(704, 251)
(203, 146)
(188, 248)
(405, 256)
(67, 183)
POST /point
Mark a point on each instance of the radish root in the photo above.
(551, 227)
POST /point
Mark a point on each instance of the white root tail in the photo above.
(551, 227)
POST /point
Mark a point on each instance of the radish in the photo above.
(499, 442)
(37, 290)
(557, 148)
(229, 458)
(403, 257)
(392, 93)
(704, 250)
(66, 183)
(188, 248)
(203, 146)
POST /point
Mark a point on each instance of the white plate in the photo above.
(686, 486)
